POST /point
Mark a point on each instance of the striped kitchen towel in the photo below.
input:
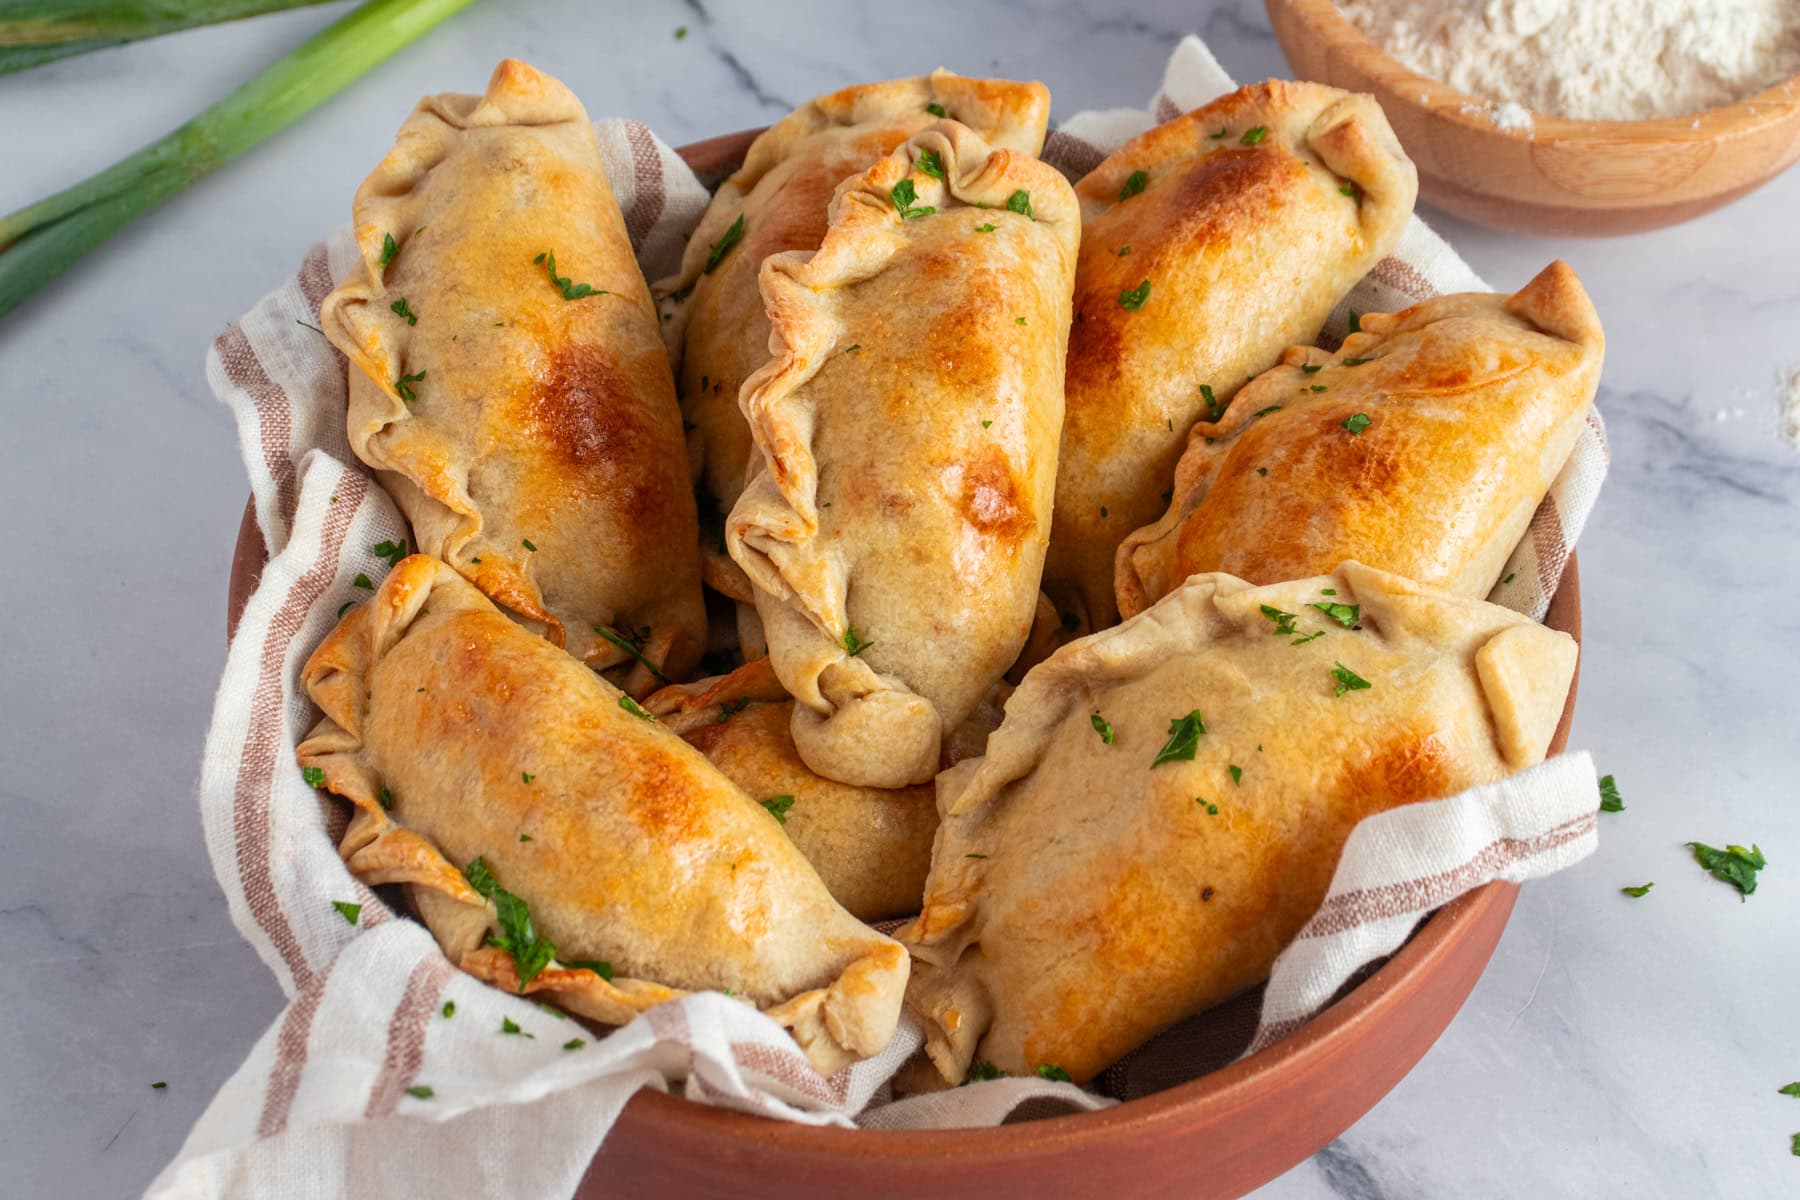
(388, 1072)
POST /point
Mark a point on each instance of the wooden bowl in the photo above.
(1212, 1138)
(1564, 177)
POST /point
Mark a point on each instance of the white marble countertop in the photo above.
(1615, 1047)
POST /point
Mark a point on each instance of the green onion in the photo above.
(40, 241)
(33, 32)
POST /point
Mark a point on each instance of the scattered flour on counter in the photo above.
(1605, 60)
(1790, 407)
(1508, 115)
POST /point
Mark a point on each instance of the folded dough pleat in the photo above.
(1422, 446)
(778, 201)
(894, 521)
(871, 846)
(460, 736)
(1247, 221)
(508, 380)
(1084, 895)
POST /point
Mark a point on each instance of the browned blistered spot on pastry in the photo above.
(662, 799)
(584, 410)
(1225, 194)
(1408, 765)
(991, 499)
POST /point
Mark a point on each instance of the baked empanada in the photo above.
(871, 846)
(508, 381)
(893, 525)
(1164, 806)
(1422, 446)
(1208, 246)
(778, 201)
(462, 738)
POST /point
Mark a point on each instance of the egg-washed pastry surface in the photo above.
(1209, 245)
(871, 846)
(778, 201)
(894, 521)
(1422, 446)
(559, 842)
(1165, 803)
(508, 381)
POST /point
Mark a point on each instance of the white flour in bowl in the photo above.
(1604, 60)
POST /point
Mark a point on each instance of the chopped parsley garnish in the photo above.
(630, 646)
(1132, 299)
(719, 249)
(392, 551)
(983, 1071)
(1236, 772)
(1313, 368)
(974, 856)
(1020, 202)
(1213, 137)
(674, 297)
(558, 1013)
(1347, 680)
(481, 878)
(1356, 423)
(1327, 591)
(1054, 1073)
(1212, 810)
(1122, 251)
(853, 643)
(386, 797)
(1355, 321)
(1514, 575)
(316, 330)
(1343, 614)
(389, 248)
(574, 1043)
(1284, 621)
(1264, 470)
(527, 776)
(985, 424)
(930, 164)
(1795, 1145)
(988, 228)
(1314, 636)
(1639, 892)
(1213, 407)
(400, 306)
(530, 953)
(1021, 320)
(403, 385)
(568, 287)
(732, 708)
(1356, 362)
(510, 1026)
(936, 110)
(1102, 728)
(1263, 412)
(314, 776)
(528, 544)
(420, 1091)
(350, 912)
(1610, 800)
(1103, 512)
(1134, 183)
(778, 807)
(1354, 192)
(1734, 865)
(1318, 387)
(906, 201)
(635, 709)
(598, 967)
(1184, 739)
(1253, 135)
(449, 1009)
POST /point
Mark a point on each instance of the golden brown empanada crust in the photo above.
(1472, 403)
(1084, 896)
(1249, 219)
(459, 735)
(907, 428)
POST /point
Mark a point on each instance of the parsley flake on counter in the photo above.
(1348, 680)
(1102, 728)
(631, 647)
(1236, 772)
(598, 967)
(403, 385)
(1020, 202)
(1184, 739)
(778, 807)
(389, 248)
(906, 201)
(981, 1072)
(1357, 422)
(161, 1085)
(853, 643)
(635, 709)
(1134, 184)
(732, 708)
(1132, 299)
(350, 912)
(936, 110)
(1054, 1073)
(716, 253)
(1284, 621)
(574, 1043)
(1343, 614)
(393, 552)
(988, 228)
(681, 33)
(1638, 892)
(449, 1009)
(930, 164)
(1254, 135)
(510, 1026)
(1792, 1089)
(314, 776)
(420, 1091)
(1734, 865)
(1610, 800)
(400, 306)
(1795, 1145)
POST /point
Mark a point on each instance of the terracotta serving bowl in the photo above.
(1561, 176)
(1215, 1137)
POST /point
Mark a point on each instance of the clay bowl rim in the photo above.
(1435, 940)
(1741, 118)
